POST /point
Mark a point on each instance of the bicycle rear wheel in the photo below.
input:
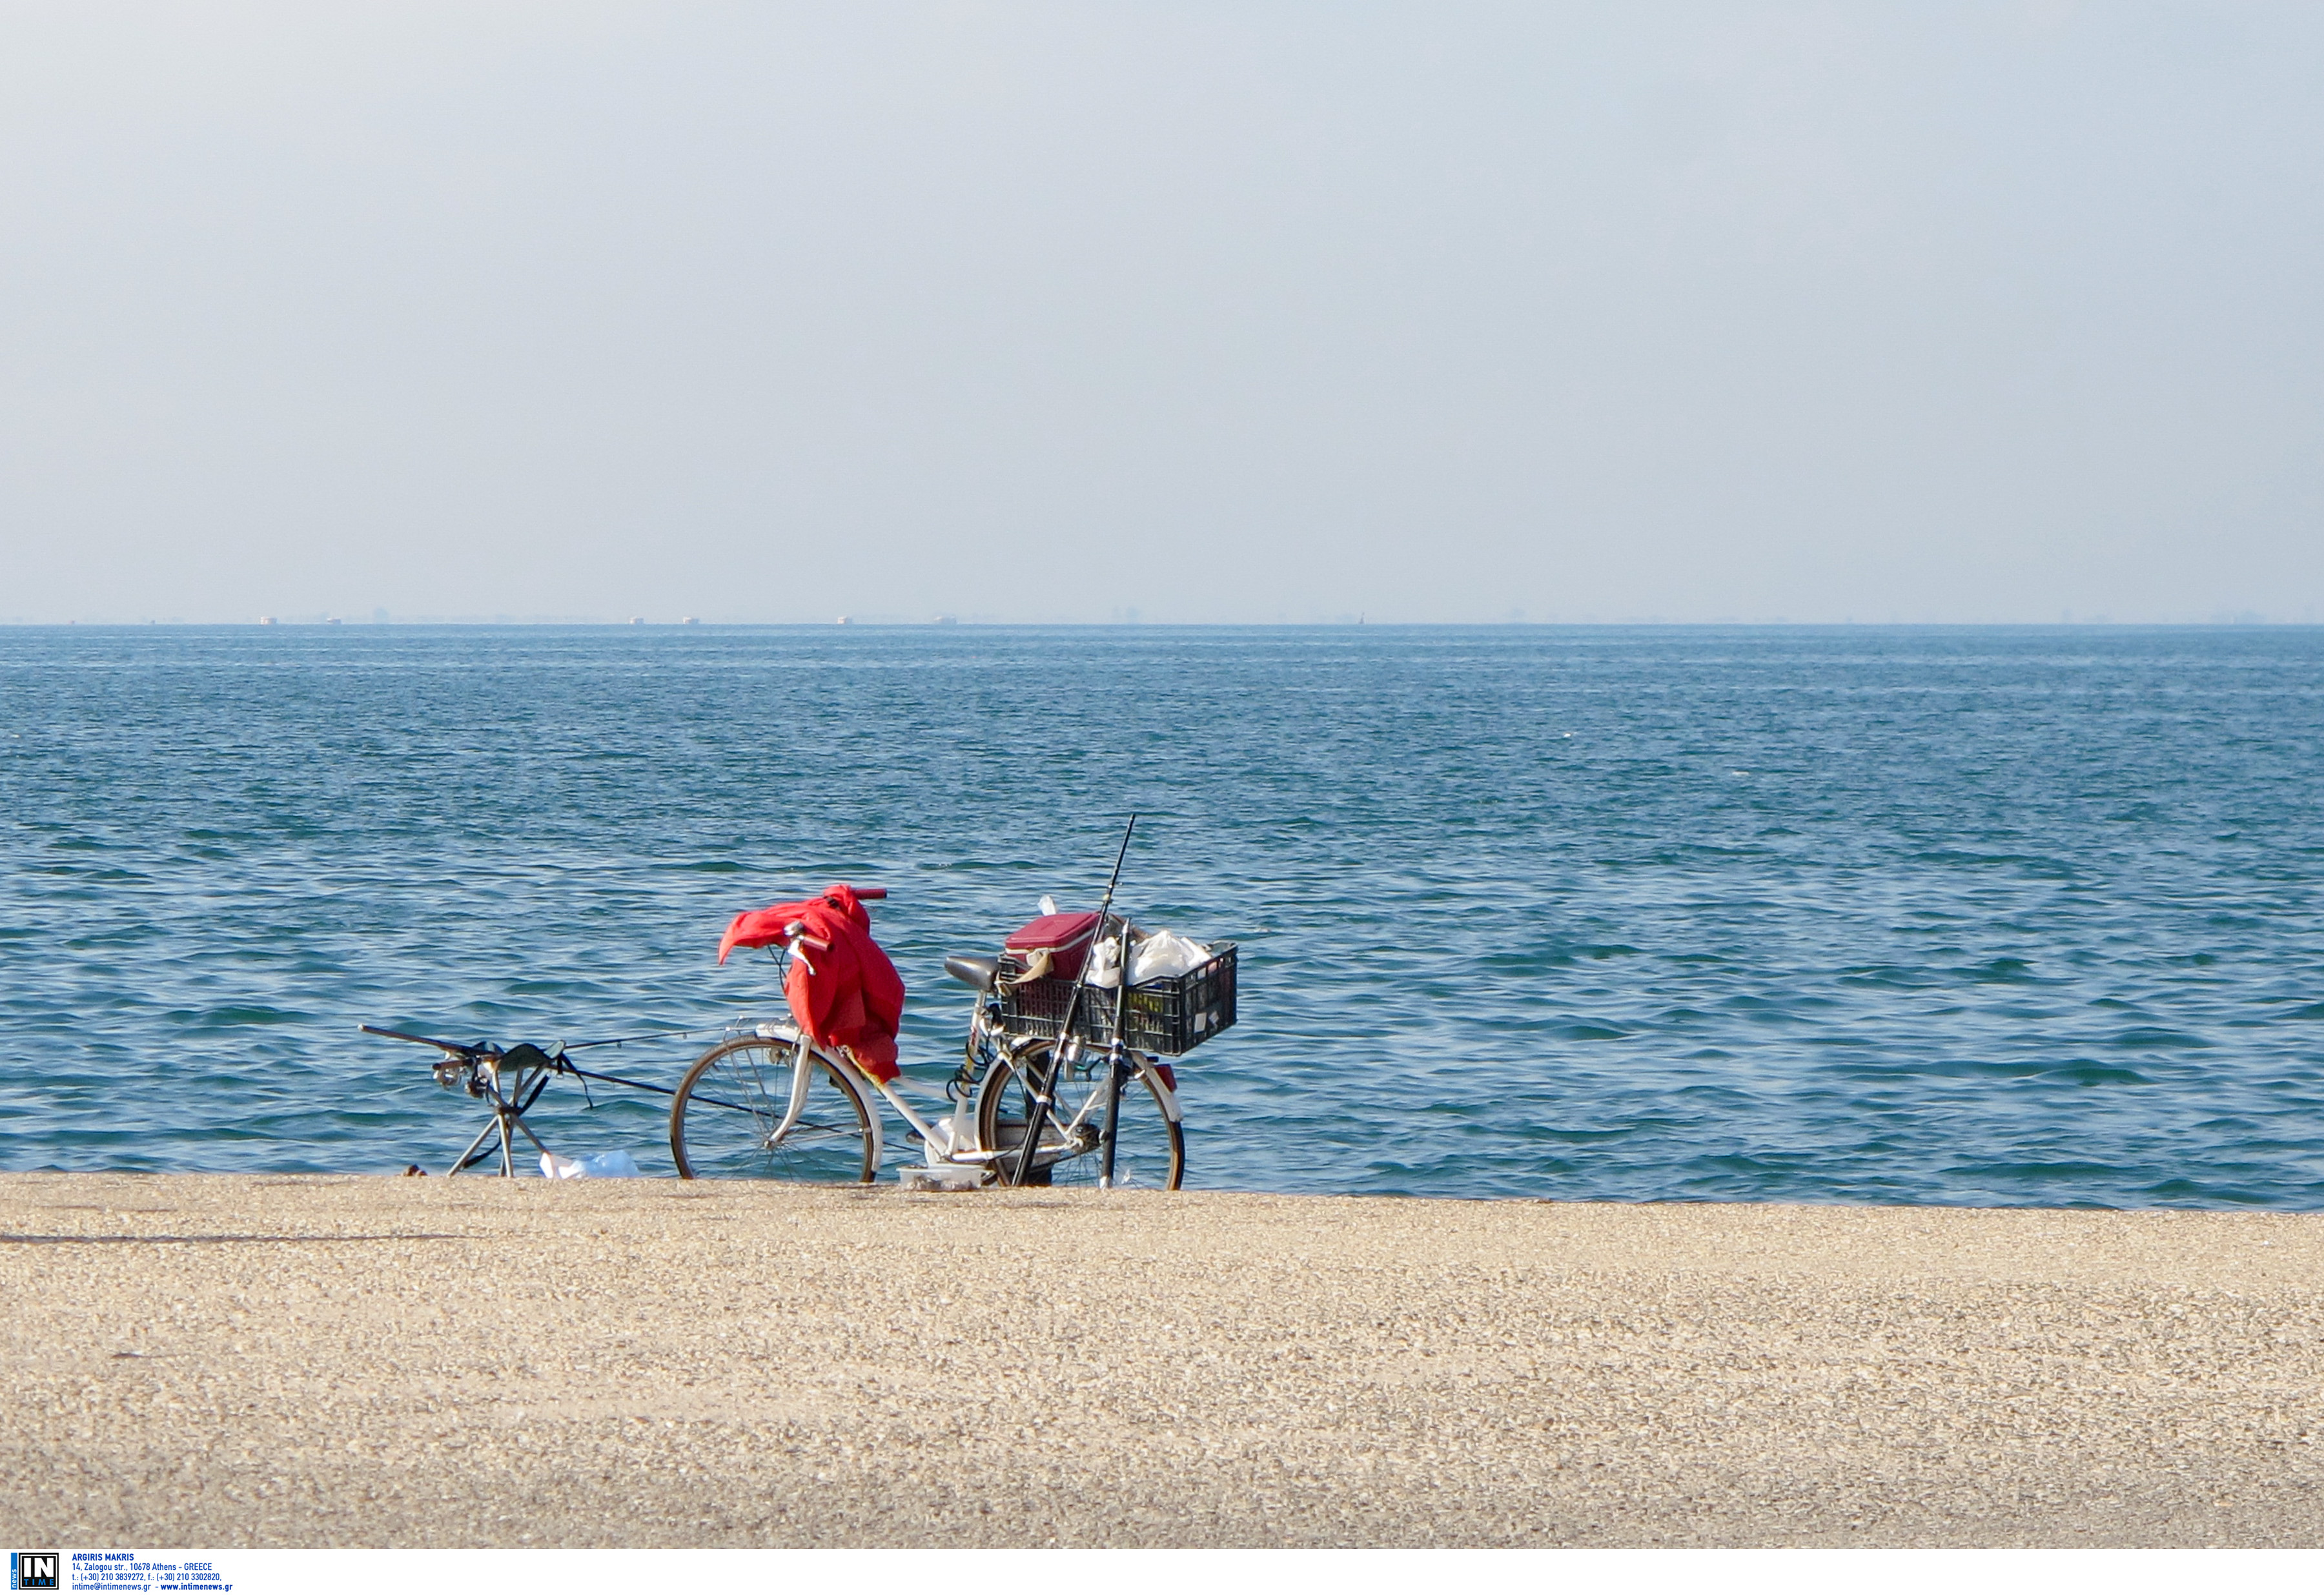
(1150, 1148)
(726, 1122)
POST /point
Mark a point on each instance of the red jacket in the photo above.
(848, 995)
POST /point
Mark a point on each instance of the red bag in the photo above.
(1068, 939)
(1064, 937)
(845, 994)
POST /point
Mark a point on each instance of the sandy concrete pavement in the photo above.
(226, 1361)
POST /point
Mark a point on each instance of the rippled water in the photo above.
(1943, 916)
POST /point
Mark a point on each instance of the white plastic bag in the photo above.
(1104, 967)
(598, 1165)
(1164, 954)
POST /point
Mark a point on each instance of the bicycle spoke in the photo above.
(728, 1111)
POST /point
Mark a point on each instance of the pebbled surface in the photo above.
(257, 1360)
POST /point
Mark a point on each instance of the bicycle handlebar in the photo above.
(872, 894)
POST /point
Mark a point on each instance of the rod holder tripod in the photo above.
(509, 1083)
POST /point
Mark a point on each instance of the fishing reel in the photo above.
(457, 1070)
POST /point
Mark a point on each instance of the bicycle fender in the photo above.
(1163, 1088)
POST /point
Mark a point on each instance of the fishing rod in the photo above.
(557, 1062)
(619, 1040)
(1037, 1119)
(456, 1048)
(1114, 1056)
(486, 1046)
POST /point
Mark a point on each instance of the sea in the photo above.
(2007, 916)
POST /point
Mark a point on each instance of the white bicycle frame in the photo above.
(950, 1142)
(947, 1142)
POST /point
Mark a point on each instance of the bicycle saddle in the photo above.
(972, 972)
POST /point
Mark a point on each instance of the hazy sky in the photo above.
(1243, 312)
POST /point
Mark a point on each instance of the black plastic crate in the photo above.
(1171, 1016)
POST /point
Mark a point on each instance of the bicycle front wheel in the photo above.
(1150, 1148)
(726, 1120)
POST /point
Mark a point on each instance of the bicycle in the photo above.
(1047, 1092)
(773, 1103)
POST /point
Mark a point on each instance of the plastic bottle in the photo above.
(616, 1164)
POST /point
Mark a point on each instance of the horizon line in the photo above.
(2244, 621)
